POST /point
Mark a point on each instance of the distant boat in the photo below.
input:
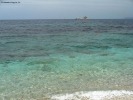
(84, 18)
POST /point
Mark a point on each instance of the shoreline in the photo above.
(96, 95)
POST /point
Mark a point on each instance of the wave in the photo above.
(96, 95)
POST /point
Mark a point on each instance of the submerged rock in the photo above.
(43, 61)
(44, 68)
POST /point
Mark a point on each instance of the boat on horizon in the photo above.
(84, 18)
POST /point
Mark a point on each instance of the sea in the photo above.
(62, 59)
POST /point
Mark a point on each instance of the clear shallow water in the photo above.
(45, 57)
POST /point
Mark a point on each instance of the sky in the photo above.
(66, 9)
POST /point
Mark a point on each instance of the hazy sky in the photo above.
(66, 9)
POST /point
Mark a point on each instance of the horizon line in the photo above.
(67, 19)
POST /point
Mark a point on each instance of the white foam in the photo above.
(92, 95)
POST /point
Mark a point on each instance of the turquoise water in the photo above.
(39, 58)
